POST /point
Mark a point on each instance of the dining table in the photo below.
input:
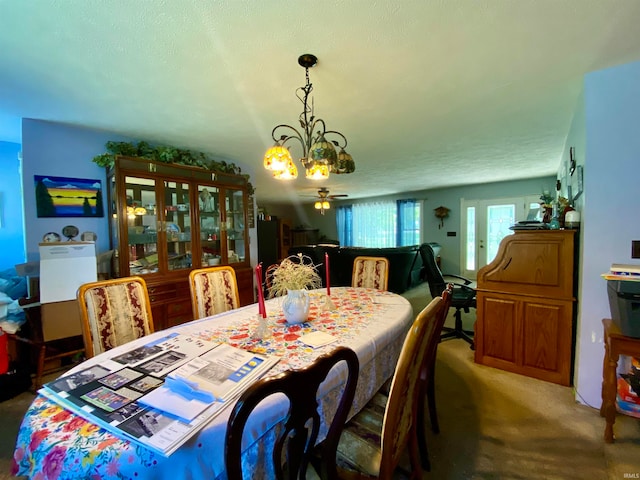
(55, 443)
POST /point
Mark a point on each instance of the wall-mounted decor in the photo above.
(68, 197)
(441, 213)
(572, 160)
(577, 182)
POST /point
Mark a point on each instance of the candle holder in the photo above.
(262, 331)
(328, 305)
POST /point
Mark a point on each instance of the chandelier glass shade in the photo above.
(319, 155)
(290, 172)
(277, 158)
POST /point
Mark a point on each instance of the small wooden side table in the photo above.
(615, 344)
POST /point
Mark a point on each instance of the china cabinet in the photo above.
(167, 219)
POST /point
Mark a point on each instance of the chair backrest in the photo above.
(113, 312)
(399, 424)
(370, 272)
(213, 290)
(301, 425)
(441, 317)
(432, 271)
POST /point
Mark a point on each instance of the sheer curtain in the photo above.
(379, 224)
(374, 224)
(408, 222)
(367, 224)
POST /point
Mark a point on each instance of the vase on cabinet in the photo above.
(295, 306)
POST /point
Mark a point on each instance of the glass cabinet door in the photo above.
(177, 225)
(234, 224)
(209, 218)
(142, 237)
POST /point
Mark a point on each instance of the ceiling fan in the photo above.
(323, 197)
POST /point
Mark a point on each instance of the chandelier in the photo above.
(319, 156)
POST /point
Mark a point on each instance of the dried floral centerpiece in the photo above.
(296, 272)
(291, 279)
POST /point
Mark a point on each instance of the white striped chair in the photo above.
(213, 290)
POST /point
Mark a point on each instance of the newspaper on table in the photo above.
(224, 373)
(115, 394)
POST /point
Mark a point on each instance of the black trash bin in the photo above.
(624, 301)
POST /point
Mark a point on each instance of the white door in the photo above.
(485, 223)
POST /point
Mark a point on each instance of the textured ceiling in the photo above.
(429, 93)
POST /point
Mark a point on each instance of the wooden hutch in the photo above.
(167, 219)
(525, 306)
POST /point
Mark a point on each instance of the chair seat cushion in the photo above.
(359, 447)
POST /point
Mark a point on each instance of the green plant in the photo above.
(296, 272)
(166, 154)
(546, 199)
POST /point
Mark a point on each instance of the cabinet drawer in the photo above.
(163, 292)
(179, 308)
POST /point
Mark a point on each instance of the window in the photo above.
(379, 224)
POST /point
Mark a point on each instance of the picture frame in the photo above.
(68, 197)
(577, 182)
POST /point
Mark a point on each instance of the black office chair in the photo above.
(463, 298)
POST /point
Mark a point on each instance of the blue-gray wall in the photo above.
(11, 211)
(611, 217)
(62, 151)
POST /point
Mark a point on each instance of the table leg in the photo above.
(603, 389)
(609, 393)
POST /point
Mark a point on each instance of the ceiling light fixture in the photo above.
(319, 156)
(322, 205)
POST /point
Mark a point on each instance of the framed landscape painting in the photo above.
(68, 197)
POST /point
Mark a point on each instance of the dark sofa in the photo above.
(405, 263)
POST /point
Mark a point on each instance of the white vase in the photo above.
(295, 306)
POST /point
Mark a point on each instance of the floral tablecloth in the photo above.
(53, 443)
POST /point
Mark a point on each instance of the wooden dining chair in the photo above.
(370, 272)
(296, 441)
(373, 442)
(427, 390)
(113, 312)
(213, 290)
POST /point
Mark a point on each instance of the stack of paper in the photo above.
(160, 394)
(624, 272)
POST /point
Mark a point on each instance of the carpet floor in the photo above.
(494, 424)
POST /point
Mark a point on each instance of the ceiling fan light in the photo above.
(317, 171)
(326, 205)
(345, 163)
(317, 205)
(289, 172)
(277, 158)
